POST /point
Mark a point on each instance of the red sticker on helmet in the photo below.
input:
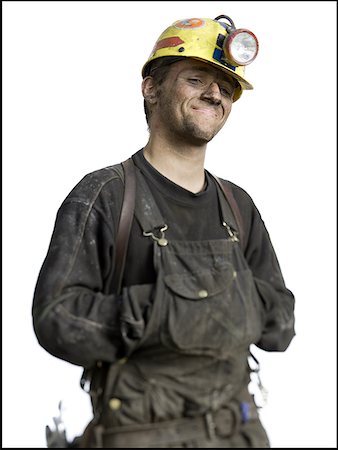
(168, 42)
(189, 23)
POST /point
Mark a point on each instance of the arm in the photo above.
(277, 300)
(75, 313)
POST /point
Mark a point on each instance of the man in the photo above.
(163, 328)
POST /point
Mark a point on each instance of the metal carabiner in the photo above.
(232, 235)
(162, 241)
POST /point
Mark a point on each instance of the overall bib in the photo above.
(184, 379)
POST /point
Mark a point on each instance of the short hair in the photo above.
(157, 69)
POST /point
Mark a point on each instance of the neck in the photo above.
(179, 162)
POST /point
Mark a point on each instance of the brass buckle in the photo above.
(234, 418)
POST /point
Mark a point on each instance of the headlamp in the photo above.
(241, 45)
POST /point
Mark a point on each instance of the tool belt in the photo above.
(222, 423)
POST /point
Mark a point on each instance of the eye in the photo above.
(225, 91)
(195, 81)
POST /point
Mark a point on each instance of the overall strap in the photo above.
(146, 209)
(125, 222)
(146, 212)
(227, 191)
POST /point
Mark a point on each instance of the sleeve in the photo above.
(277, 300)
(75, 317)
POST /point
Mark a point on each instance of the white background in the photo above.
(72, 104)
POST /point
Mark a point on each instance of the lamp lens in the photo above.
(243, 47)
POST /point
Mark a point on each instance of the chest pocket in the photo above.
(210, 312)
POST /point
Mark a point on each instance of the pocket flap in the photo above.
(199, 286)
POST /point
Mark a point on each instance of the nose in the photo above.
(212, 94)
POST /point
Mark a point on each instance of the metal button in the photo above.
(203, 293)
(162, 242)
(115, 403)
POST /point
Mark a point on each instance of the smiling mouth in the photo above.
(207, 111)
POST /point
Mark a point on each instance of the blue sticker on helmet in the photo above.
(219, 56)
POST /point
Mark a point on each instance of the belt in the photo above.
(222, 423)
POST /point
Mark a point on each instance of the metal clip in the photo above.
(210, 425)
(162, 241)
(264, 393)
(57, 438)
(233, 236)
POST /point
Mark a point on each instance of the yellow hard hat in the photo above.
(211, 40)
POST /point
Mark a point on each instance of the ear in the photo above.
(149, 90)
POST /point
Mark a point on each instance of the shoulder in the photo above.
(99, 179)
(94, 182)
(98, 189)
(242, 197)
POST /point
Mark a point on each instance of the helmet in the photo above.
(213, 41)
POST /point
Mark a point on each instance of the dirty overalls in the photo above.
(184, 381)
